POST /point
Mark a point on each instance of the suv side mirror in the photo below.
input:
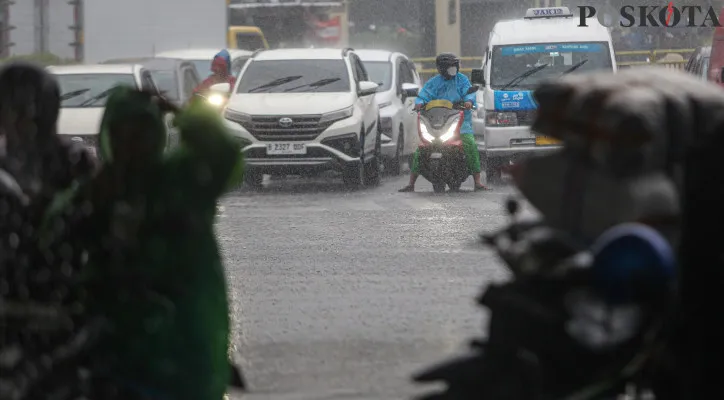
(367, 88)
(224, 88)
(478, 76)
(410, 90)
(473, 89)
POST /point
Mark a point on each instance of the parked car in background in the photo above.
(84, 91)
(699, 62)
(396, 75)
(202, 59)
(175, 78)
(301, 111)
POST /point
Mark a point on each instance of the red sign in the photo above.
(329, 31)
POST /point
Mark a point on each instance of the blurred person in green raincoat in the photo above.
(154, 271)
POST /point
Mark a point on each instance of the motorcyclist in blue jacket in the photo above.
(450, 85)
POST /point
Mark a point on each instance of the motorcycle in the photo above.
(442, 159)
(549, 337)
(216, 96)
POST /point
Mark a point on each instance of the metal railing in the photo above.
(624, 59)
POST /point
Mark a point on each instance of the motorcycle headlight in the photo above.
(451, 131)
(216, 100)
(425, 133)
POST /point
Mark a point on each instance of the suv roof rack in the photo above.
(346, 50)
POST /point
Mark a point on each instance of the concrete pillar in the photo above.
(447, 26)
(41, 26)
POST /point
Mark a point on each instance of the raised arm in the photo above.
(208, 152)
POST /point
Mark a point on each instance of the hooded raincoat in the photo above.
(221, 66)
(154, 268)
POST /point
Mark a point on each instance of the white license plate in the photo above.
(436, 155)
(286, 148)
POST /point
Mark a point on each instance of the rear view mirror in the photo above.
(410, 90)
(221, 88)
(478, 76)
(367, 88)
(473, 89)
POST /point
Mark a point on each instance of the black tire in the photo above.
(254, 179)
(373, 169)
(455, 187)
(438, 187)
(396, 163)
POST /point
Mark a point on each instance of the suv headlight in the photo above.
(495, 118)
(237, 117)
(338, 115)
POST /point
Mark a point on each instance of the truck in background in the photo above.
(246, 38)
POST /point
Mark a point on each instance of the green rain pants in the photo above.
(472, 157)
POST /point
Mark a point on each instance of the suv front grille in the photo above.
(268, 128)
(526, 117)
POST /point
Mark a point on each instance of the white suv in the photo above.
(399, 84)
(300, 111)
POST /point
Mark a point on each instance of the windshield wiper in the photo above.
(95, 98)
(574, 67)
(276, 82)
(72, 94)
(317, 84)
(522, 76)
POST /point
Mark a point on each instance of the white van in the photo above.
(547, 43)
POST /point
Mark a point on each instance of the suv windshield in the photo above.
(167, 83)
(298, 76)
(552, 59)
(379, 72)
(89, 90)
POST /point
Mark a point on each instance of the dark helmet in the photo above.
(445, 61)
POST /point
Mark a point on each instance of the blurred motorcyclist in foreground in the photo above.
(221, 72)
(642, 145)
(450, 85)
(154, 269)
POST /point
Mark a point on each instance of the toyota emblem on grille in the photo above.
(285, 122)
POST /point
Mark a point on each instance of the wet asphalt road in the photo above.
(342, 294)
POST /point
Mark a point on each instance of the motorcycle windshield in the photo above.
(439, 118)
